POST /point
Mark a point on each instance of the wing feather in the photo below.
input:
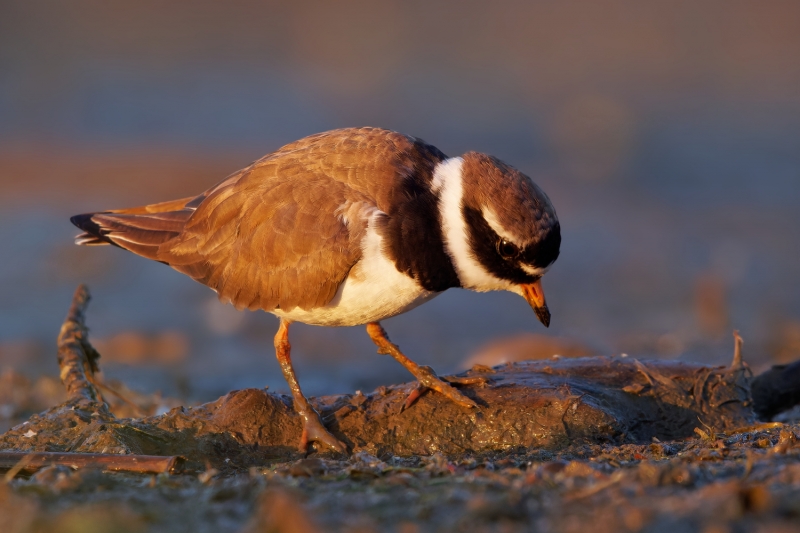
(257, 248)
(283, 232)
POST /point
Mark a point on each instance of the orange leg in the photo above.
(425, 375)
(313, 430)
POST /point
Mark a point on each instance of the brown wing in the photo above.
(280, 233)
(269, 241)
(275, 236)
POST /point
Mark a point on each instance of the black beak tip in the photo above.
(543, 314)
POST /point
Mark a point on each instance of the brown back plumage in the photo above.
(279, 233)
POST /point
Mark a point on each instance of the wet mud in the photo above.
(609, 444)
(543, 404)
(546, 405)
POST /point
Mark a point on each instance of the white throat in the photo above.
(449, 184)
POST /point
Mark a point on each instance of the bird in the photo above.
(345, 228)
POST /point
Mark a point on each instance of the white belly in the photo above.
(373, 291)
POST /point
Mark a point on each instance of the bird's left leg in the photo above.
(425, 375)
(313, 430)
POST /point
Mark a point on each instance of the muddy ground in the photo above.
(744, 480)
(592, 444)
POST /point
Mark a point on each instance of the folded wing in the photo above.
(274, 235)
(247, 242)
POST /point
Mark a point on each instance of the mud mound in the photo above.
(546, 405)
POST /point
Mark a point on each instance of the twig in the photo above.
(30, 462)
(76, 357)
(17, 468)
(737, 350)
(652, 374)
(138, 411)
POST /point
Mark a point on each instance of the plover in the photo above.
(346, 228)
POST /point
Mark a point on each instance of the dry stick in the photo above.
(29, 462)
(738, 362)
(76, 356)
(17, 468)
(78, 360)
(138, 411)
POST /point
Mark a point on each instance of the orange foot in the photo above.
(428, 380)
(314, 431)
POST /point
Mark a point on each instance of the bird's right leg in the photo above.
(313, 430)
(425, 375)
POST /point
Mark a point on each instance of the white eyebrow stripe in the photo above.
(491, 218)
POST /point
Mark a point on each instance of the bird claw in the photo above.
(428, 379)
(314, 431)
(413, 396)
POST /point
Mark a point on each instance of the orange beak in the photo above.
(535, 296)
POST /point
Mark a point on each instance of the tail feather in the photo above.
(141, 230)
(85, 239)
(144, 229)
(93, 234)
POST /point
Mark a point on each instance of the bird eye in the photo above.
(507, 250)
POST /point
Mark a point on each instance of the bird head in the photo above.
(500, 229)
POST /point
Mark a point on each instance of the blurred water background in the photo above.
(665, 133)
